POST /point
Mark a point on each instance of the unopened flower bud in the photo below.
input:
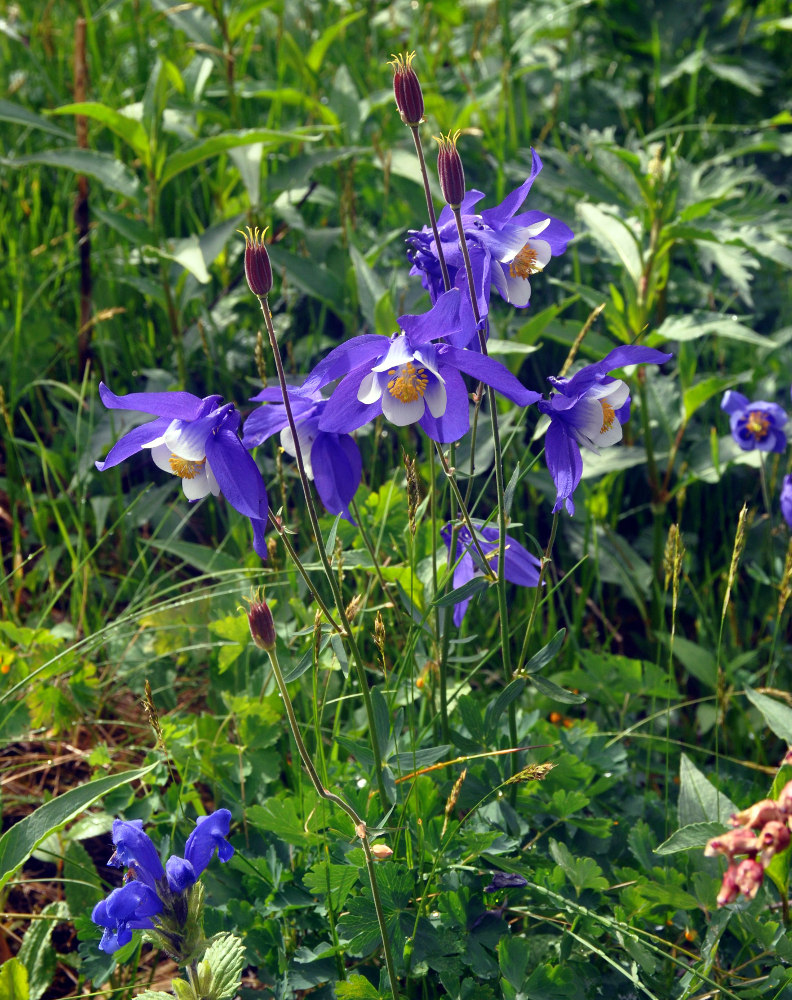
(450, 169)
(773, 839)
(757, 815)
(748, 877)
(381, 852)
(258, 269)
(740, 841)
(729, 889)
(785, 799)
(407, 89)
(262, 627)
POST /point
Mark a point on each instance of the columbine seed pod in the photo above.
(258, 270)
(262, 627)
(407, 89)
(450, 169)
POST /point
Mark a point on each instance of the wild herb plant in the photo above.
(490, 756)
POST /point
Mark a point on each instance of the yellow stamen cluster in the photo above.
(186, 468)
(407, 383)
(608, 416)
(401, 61)
(525, 263)
(758, 425)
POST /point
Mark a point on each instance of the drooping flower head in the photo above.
(332, 460)
(588, 410)
(196, 440)
(409, 379)
(520, 566)
(757, 425)
(154, 898)
(506, 247)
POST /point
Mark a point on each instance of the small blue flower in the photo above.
(408, 379)
(196, 440)
(588, 409)
(757, 425)
(151, 894)
(505, 250)
(128, 908)
(521, 567)
(331, 460)
(786, 499)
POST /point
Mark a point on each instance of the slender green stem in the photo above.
(303, 572)
(499, 483)
(359, 824)
(430, 206)
(546, 560)
(464, 511)
(372, 552)
(357, 659)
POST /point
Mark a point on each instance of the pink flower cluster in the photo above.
(760, 832)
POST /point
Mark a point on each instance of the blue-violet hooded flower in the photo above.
(331, 460)
(786, 499)
(196, 440)
(505, 249)
(408, 379)
(152, 894)
(588, 409)
(757, 425)
(520, 566)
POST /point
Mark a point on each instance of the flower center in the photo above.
(608, 416)
(525, 263)
(186, 468)
(407, 383)
(757, 425)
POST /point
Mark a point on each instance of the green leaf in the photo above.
(777, 716)
(382, 723)
(551, 690)
(356, 988)
(207, 560)
(15, 113)
(697, 395)
(694, 835)
(279, 816)
(703, 324)
(615, 237)
(583, 873)
(37, 951)
(474, 586)
(699, 800)
(545, 654)
(154, 995)
(202, 149)
(126, 128)
(82, 884)
(308, 277)
(225, 956)
(369, 287)
(318, 50)
(337, 880)
(13, 980)
(513, 959)
(105, 168)
(697, 660)
(19, 842)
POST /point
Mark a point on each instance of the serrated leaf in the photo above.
(225, 956)
(694, 835)
(109, 171)
(19, 842)
(37, 951)
(337, 880)
(154, 995)
(777, 716)
(583, 873)
(356, 988)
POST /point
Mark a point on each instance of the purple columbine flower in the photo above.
(520, 566)
(786, 499)
(588, 409)
(408, 379)
(196, 440)
(331, 460)
(757, 425)
(505, 880)
(505, 249)
(153, 890)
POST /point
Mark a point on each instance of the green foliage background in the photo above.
(664, 130)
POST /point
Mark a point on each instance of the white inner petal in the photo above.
(401, 414)
(436, 398)
(197, 487)
(370, 389)
(306, 439)
(187, 439)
